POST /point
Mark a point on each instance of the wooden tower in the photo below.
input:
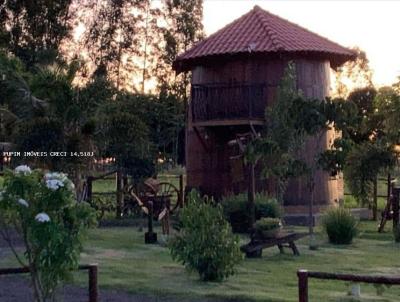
(235, 75)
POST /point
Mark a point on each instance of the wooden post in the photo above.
(389, 187)
(303, 285)
(89, 182)
(150, 237)
(120, 195)
(181, 191)
(395, 206)
(251, 196)
(312, 244)
(375, 200)
(1, 159)
(93, 287)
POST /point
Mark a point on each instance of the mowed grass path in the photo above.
(127, 263)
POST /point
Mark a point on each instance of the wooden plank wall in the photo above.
(209, 168)
(313, 78)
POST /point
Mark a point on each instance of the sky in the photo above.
(372, 25)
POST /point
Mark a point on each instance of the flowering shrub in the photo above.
(43, 210)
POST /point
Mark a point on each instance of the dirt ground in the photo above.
(16, 289)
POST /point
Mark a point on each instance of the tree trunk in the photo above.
(375, 200)
(312, 243)
(120, 194)
(251, 196)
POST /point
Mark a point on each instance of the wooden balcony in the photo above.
(228, 104)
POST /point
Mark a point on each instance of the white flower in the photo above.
(55, 180)
(54, 184)
(42, 217)
(23, 169)
(23, 202)
(71, 186)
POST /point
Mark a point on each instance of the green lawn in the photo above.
(126, 263)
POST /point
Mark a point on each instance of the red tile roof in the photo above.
(261, 32)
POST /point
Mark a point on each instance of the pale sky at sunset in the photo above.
(372, 25)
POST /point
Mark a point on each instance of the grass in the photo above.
(109, 184)
(126, 263)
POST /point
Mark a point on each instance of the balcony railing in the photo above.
(218, 102)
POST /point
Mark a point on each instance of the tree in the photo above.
(184, 28)
(366, 147)
(124, 134)
(353, 74)
(364, 162)
(34, 29)
(122, 39)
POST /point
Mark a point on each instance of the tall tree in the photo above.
(121, 39)
(184, 28)
(353, 74)
(35, 28)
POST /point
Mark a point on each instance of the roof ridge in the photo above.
(269, 31)
(260, 9)
(225, 27)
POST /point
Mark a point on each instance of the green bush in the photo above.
(235, 210)
(339, 225)
(266, 224)
(43, 209)
(205, 242)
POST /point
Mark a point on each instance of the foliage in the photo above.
(124, 135)
(35, 35)
(369, 134)
(164, 116)
(102, 205)
(277, 145)
(353, 74)
(290, 121)
(387, 109)
(184, 28)
(266, 224)
(340, 225)
(235, 210)
(205, 242)
(363, 164)
(43, 209)
(123, 39)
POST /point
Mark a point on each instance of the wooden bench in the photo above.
(254, 248)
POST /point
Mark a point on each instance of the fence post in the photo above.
(93, 288)
(89, 182)
(120, 194)
(395, 206)
(303, 285)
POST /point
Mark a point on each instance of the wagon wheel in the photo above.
(172, 193)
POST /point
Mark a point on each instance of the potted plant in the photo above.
(268, 227)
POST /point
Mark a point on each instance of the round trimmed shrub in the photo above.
(340, 225)
(205, 242)
(235, 210)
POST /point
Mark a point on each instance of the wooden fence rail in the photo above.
(92, 272)
(304, 275)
